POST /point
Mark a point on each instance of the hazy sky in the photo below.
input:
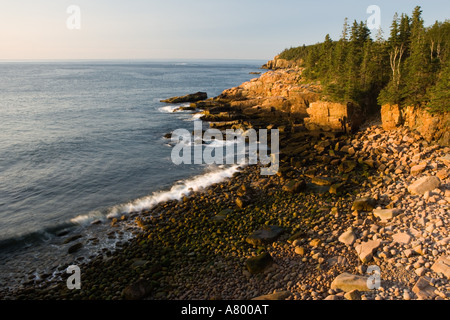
(177, 29)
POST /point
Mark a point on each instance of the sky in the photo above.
(183, 29)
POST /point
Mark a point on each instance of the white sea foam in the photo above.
(168, 109)
(177, 192)
(84, 219)
(173, 108)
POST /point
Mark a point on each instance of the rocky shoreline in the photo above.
(341, 206)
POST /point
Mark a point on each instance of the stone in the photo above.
(424, 289)
(424, 184)
(266, 235)
(386, 214)
(259, 263)
(294, 186)
(348, 237)
(445, 159)
(409, 253)
(282, 295)
(365, 250)
(75, 248)
(315, 243)
(193, 97)
(322, 181)
(348, 282)
(72, 238)
(138, 290)
(332, 297)
(338, 260)
(300, 251)
(442, 265)
(420, 271)
(442, 174)
(240, 203)
(347, 166)
(353, 295)
(336, 188)
(364, 204)
(415, 170)
(401, 237)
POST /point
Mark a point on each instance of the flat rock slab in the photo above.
(348, 282)
(386, 214)
(442, 265)
(401, 237)
(424, 184)
(365, 250)
(424, 289)
(264, 236)
(322, 181)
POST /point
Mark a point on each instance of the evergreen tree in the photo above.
(418, 64)
(440, 92)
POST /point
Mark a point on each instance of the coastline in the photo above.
(201, 247)
(198, 249)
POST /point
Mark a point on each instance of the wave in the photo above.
(177, 192)
(173, 108)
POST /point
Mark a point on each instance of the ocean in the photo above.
(83, 141)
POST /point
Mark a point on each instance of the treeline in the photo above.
(410, 68)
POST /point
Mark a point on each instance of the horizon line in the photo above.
(127, 59)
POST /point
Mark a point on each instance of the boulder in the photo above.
(401, 237)
(353, 295)
(322, 181)
(75, 248)
(386, 214)
(442, 265)
(294, 186)
(424, 184)
(364, 204)
(259, 263)
(348, 282)
(348, 237)
(193, 97)
(266, 235)
(424, 289)
(415, 170)
(365, 250)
